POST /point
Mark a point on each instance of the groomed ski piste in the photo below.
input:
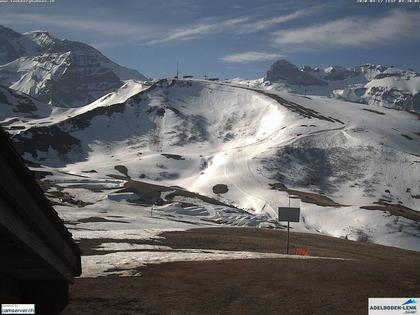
(192, 153)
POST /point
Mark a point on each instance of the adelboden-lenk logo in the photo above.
(393, 306)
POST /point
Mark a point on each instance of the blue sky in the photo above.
(232, 37)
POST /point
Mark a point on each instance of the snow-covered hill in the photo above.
(18, 109)
(60, 72)
(355, 167)
(368, 84)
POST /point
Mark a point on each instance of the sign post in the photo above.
(288, 237)
(289, 214)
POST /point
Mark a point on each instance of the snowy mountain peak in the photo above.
(284, 71)
(284, 63)
(42, 38)
(60, 72)
(371, 84)
(331, 69)
(37, 33)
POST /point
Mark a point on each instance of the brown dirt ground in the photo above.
(264, 286)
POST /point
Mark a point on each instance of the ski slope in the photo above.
(197, 136)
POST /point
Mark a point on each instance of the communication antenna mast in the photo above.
(177, 69)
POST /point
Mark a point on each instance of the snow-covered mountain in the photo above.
(355, 167)
(60, 72)
(368, 84)
(207, 152)
(284, 71)
(18, 109)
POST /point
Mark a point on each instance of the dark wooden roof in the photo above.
(29, 223)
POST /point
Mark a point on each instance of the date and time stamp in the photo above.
(387, 1)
